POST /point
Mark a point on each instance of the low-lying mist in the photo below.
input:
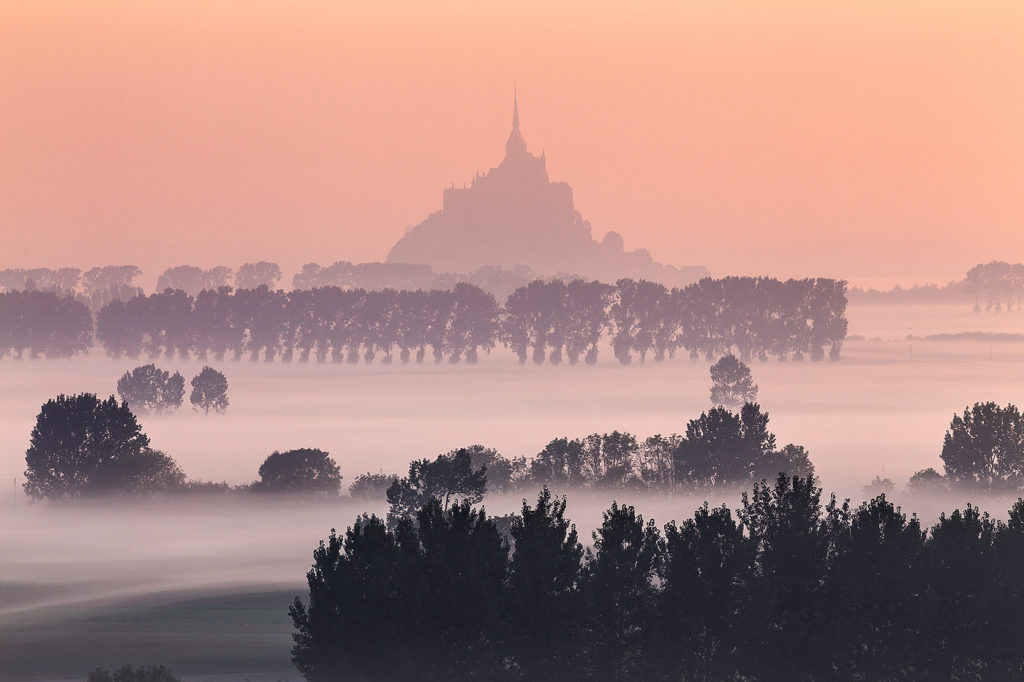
(881, 410)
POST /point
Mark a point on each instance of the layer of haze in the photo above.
(203, 585)
(876, 141)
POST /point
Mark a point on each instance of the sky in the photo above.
(880, 142)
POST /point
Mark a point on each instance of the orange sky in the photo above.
(877, 141)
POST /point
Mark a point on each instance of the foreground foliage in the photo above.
(788, 588)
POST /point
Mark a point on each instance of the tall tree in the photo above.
(542, 603)
(619, 594)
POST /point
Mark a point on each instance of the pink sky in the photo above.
(877, 141)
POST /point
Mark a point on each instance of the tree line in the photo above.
(995, 286)
(82, 446)
(543, 321)
(787, 587)
(42, 324)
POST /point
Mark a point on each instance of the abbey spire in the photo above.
(516, 145)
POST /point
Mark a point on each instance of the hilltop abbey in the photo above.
(514, 215)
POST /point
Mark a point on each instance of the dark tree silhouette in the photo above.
(448, 478)
(731, 384)
(985, 447)
(543, 603)
(618, 591)
(81, 446)
(305, 470)
(878, 613)
(792, 539)
(722, 448)
(148, 389)
(209, 391)
(707, 564)
(362, 621)
(504, 475)
(794, 591)
(961, 578)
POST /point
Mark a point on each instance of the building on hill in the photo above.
(514, 215)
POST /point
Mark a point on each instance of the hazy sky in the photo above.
(870, 140)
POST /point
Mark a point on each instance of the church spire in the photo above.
(516, 145)
(515, 108)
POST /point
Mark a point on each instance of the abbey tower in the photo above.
(515, 215)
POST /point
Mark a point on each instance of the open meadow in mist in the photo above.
(203, 585)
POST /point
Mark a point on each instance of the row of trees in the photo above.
(95, 287)
(787, 588)
(82, 446)
(997, 284)
(85, 446)
(545, 321)
(720, 448)
(40, 323)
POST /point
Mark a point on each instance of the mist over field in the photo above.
(226, 569)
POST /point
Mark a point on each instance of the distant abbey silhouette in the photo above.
(515, 215)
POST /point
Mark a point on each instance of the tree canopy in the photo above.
(793, 586)
(82, 445)
(148, 389)
(731, 383)
(209, 391)
(305, 470)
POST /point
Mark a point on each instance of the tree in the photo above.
(253, 275)
(731, 383)
(619, 593)
(371, 487)
(962, 590)
(874, 592)
(81, 445)
(792, 460)
(306, 470)
(148, 389)
(209, 391)
(126, 673)
(543, 591)
(348, 624)
(707, 565)
(926, 481)
(985, 447)
(504, 475)
(723, 448)
(784, 522)
(417, 603)
(449, 477)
